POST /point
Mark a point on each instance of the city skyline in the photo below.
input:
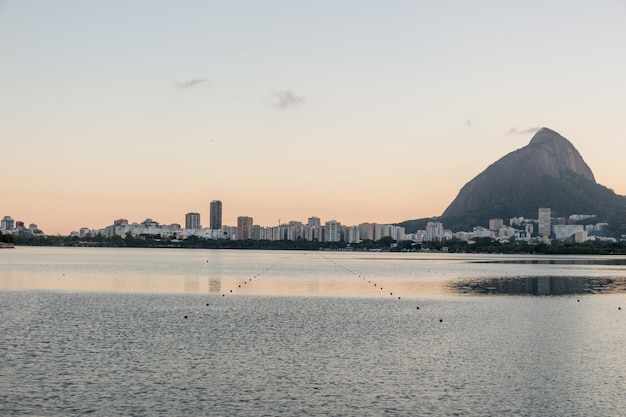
(363, 112)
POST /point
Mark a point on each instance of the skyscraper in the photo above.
(216, 215)
(192, 221)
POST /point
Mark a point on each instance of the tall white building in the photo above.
(351, 234)
(314, 222)
(313, 229)
(7, 223)
(332, 231)
(434, 231)
(544, 221)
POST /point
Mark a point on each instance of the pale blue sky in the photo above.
(350, 110)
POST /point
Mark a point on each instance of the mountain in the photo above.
(548, 172)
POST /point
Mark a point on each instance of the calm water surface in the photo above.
(103, 332)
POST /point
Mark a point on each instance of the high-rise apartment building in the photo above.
(313, 231)
(544, 219)
(244, 227)
(434, 231)
(7, 223)
(192, 221)
(495, 224)
(215, 215)
(314, 222)
(332, 231)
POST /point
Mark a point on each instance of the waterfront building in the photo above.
(332, 231)
(244, 227)
(7, 224)
(544, 221)
(434, 231)
(397, 233)
(215, 215)
(495, 224)
(565, 231)
(314, 222)
(505, 232)
(192, 221)
(366, 231)
(351, 234)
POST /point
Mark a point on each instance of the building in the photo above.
(332, 231)
(215, 215)
(314, 222)
(366, 231)
(192, 221)
(7, 224)
(544, 221)
(313, 229)
(244, 227)
(351, 234)
(495, 224)
(434, 231)
(566, 231)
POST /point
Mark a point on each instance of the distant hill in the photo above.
(548, 172)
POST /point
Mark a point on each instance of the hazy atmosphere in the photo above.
(352, 110)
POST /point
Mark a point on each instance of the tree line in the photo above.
(478, 245)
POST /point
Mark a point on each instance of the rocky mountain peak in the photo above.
(559, 154)
(548, 155)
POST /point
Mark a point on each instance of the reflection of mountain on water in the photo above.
(215, 285)
(560, 261)
(541, 285)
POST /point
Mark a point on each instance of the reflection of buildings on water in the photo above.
(542, 285)
(215, 284)
(192, 285)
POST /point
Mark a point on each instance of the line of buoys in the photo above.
(254, 276)
(355, 274)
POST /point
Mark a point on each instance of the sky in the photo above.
(355, 111)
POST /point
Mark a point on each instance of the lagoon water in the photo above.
(267, 333)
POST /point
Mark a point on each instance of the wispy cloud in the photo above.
(516, 131)
(285, 99)
(194, 83)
